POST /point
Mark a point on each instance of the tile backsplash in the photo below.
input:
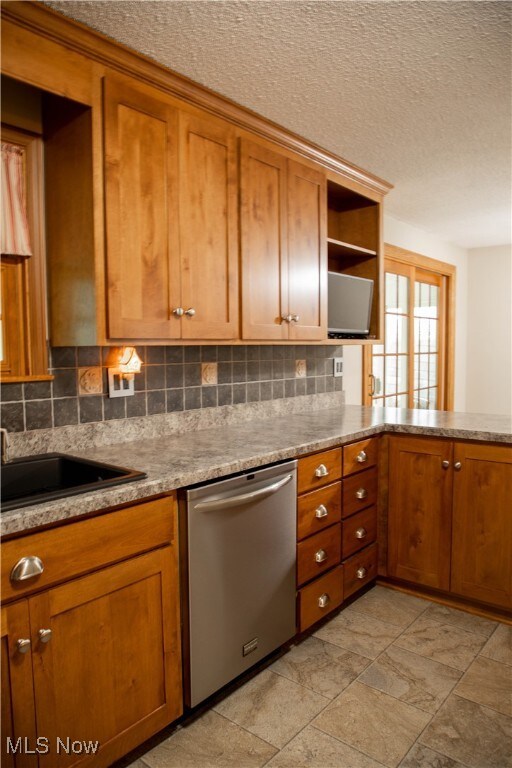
(172, 379)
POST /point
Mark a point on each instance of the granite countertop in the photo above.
(177, 461)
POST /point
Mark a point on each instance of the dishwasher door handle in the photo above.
(234, 501)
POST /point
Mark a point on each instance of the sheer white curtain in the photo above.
(15, 238)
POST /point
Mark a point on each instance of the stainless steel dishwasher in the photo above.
(239, 543)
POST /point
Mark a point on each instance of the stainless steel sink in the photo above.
(50, 476)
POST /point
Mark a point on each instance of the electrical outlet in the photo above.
(338, 366)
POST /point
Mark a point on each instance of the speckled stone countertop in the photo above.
(176, 461)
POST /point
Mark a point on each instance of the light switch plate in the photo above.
(337, 367)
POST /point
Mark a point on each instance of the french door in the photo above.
(412, 369)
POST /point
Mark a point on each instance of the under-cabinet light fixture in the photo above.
(121, 378)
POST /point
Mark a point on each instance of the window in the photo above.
(414, 366)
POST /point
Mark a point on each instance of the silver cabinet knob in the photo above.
(361, 533)
(27, 568)
(321, 512)
(23, 645)
(321, 556)
(445, 464)
(45, 635)
(361, 457)
(457, 466)
(179, 311)
(361, 573)
(324, 600)
(190, 312)
(286, 318)
(321, 471)
(361, 493)
(295, 318)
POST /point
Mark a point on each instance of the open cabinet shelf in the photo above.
(338, 249)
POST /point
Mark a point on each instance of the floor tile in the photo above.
(499, 645)
(321, 666)
(460, 619)
(477, 736)
(423, 757)
(272, 707)
(442, 642)
(411, 678)
(211, 741)
(488, 682)
(390, 606)
(359, 633)
(374, 723)
(315, 749)
(138, 764)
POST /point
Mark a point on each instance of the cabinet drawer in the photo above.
(359, 570)
(320, 598)
(318, 553)
(359, 491)
(360, 455)
(319, 469)
(358, 531)
(74, 549)
(318, 509)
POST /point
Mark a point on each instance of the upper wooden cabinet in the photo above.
(283, 243)
(170, 202)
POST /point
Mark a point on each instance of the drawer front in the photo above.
(319, 469)
(359, 491)
(358, 531)
(360, 455)
(320, 598)
(359, 570)
(70, 550)
(318, 509)
(318, 553)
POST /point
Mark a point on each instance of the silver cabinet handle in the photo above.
(45, 635)
(361, 573)
(179, 311)
(234, 501)
(23, 645)
(321, 556)
(286, 318)
(324, 600)
(190, 312)
(361, 493)
(321, 471)
(361, 457)
(27, 568)
(320, 512)
(361, 533)
(445, 464)
(457, 466)
(295, 318)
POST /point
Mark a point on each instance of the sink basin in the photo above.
(50, 476)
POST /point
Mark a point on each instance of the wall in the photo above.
(414, 239)
(489, 362)
(171, 380)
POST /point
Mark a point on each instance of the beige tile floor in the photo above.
(393, 680)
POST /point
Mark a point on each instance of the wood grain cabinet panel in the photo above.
(360, 455)
(358, 531)
(319, 598)
(359, 570)
(319, 469)
(318, 553)
(482, 523)
(318, 509)
(141, 137)
(419, 514)
(359, 491)
(283, 247)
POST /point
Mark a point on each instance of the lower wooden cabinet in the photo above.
(319, 598)
(96, 659)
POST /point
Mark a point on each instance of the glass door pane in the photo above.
(390, 360)
(426, 345)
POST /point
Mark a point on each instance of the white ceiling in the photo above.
(416, 91)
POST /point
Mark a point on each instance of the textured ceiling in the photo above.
(417, 92)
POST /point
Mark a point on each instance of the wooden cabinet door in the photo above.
(419, 511)
(208, 194)
(263, 243)
(18, 713)
(307, 252)
(482, 523)
(141, 212)
(111, 671)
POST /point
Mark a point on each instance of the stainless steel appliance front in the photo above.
(241, 547)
